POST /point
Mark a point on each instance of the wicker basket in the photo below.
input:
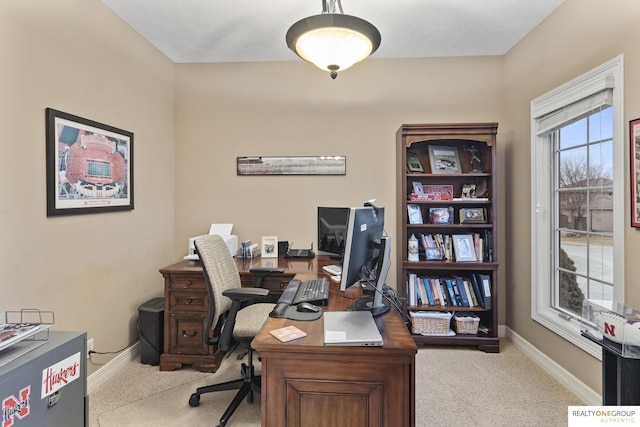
(466, 323)
(431, 322)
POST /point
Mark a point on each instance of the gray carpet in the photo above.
(455, 386)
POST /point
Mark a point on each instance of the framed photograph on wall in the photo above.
(269, 247)
(444, 159)
(89, 166)
(634, 156)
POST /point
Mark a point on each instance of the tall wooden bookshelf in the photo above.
(460, 158)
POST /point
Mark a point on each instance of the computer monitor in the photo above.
(332, 231)
(362, 246)
(378, 305)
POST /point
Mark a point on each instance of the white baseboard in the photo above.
(112, 367)
(577, 387)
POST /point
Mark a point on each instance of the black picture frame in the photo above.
(89, 166)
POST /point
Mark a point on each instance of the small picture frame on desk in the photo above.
(269, 247)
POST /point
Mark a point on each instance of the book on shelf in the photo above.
(462, 291)
(484, 283)
(288, 333)
(452, 295)
(427, 286)
(476, 289)
(412, 288)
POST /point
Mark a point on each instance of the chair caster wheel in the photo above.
(194, 400)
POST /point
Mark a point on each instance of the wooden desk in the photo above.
(307, 384)
(186, 305)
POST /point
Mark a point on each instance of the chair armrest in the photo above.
(245, 294)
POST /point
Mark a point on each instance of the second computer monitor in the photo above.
(364, 233)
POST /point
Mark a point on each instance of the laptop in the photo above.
(351, 328)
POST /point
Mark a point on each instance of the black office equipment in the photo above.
(315, 291)
(300, 253)
(150, 330)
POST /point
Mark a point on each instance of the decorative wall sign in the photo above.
(89, 166)
(292, 165)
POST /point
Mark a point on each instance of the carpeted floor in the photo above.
(455, 386)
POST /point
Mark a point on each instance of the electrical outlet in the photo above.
(89, 347)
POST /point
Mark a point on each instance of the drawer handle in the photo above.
(189, 301)
(186, 335)
(188, 283)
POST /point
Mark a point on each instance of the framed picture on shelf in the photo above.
(413, 163)
(441, 215)
(634, 156)
(444, 159)
(417, 187)
(463, 248)
(415, 214)
(473, 216)
(434, 254)
(269, 247)
(438, 192)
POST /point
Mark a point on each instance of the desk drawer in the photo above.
(186, 281)
(188, 301)
(275, 283)
(186, 334)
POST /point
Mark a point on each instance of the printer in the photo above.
(224, 231)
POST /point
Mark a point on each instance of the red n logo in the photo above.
(12, 407)
(609, 329)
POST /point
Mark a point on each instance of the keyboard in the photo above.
(334, 270)
(315, 291)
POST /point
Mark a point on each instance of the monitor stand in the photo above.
(366, 304)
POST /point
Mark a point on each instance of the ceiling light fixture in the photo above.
(333, 41)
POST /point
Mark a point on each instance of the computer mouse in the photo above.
(307, 307)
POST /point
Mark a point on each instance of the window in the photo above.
(577, 188)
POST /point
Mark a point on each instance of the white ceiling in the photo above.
(189, 31)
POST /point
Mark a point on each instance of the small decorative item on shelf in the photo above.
(473, 216)
(415, 214)
(441, 215)
(417, 188)
(438, 192)
(444, 159)
(412, 249)
(413, 163)
(475, 161)
(464, 248)
(434, 254)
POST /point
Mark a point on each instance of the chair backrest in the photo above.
(220, 273)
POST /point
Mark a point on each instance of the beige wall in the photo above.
(579, 36)
(93, 271)
(291, 108)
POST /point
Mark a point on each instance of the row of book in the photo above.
(447, 246)
(469, 290)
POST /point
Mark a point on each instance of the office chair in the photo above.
(233, 311)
